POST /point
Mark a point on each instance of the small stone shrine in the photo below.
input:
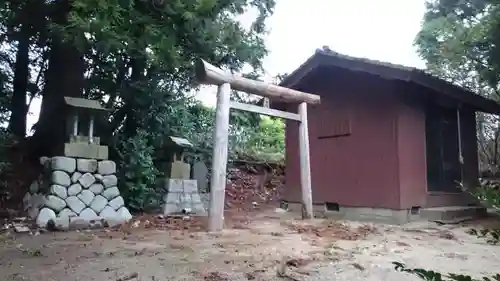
(78, 189)
(180, 192)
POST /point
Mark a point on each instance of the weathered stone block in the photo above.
(86, 165)
(86, 196)
(86, 180)
(190, 186)
(98, 203)
(84, 139)
(88, 214)
(174, 185)
(109, 180)
(111, 193)
(96, 188)
(59, 191)
(106, 167)
(44, 216)
(172, 197)
(195, 198)
(171, 208)
(75, 204)
(75, 177)
(185, 198)
(66, 212)
(78, 223)
(124, 214)
(55, 203)
(63, 164)
(60, 178)
(74, 189)
(61, 223)
(99, 177)
(116, 203)
(84, 150)
(199, 208)
(107, 213)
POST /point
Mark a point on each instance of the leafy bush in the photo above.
(138, 173)
(429, 275)
(266, 143)
(139, 170)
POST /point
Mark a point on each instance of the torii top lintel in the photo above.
(207, 73)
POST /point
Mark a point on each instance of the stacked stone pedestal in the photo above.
(76, 193)
(182, 196)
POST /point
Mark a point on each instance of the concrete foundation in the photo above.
(360, 214)
(443, 214)
(453, 213)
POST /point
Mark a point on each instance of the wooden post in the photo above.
(219, 159)
(75, 124)
(305, 164)
(91, 129)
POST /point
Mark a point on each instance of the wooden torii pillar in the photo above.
(209, 74)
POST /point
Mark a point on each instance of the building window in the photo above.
(336, 122)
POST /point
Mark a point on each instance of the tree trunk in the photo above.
(64, 77)
(137, 77)
(17, 124)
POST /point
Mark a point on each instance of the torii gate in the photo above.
(209, 74)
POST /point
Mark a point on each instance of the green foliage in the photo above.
(487, 193)
(138, 173)
(136, 58)
(492, 236)
(429, 275)
(459, 41)
(266, 143)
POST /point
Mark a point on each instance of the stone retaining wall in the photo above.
(76, 193)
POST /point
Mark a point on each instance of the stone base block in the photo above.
(86, 150)
(453, 213)
(182, 196)
(80, 193)
(84, 139)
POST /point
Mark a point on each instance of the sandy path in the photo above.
(322, 250)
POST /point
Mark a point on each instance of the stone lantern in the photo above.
(80, 127)
(176, 167)
(180, 192)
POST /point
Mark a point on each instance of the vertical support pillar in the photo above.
(91, 129)
(464, 182)
(305, 164)
(459, 133)
(219, 161)
(75, 125)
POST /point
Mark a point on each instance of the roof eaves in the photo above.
(459, 93)
(325, 57)
(86, 104)
(293, 78)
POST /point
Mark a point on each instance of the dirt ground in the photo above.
(271, 246)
